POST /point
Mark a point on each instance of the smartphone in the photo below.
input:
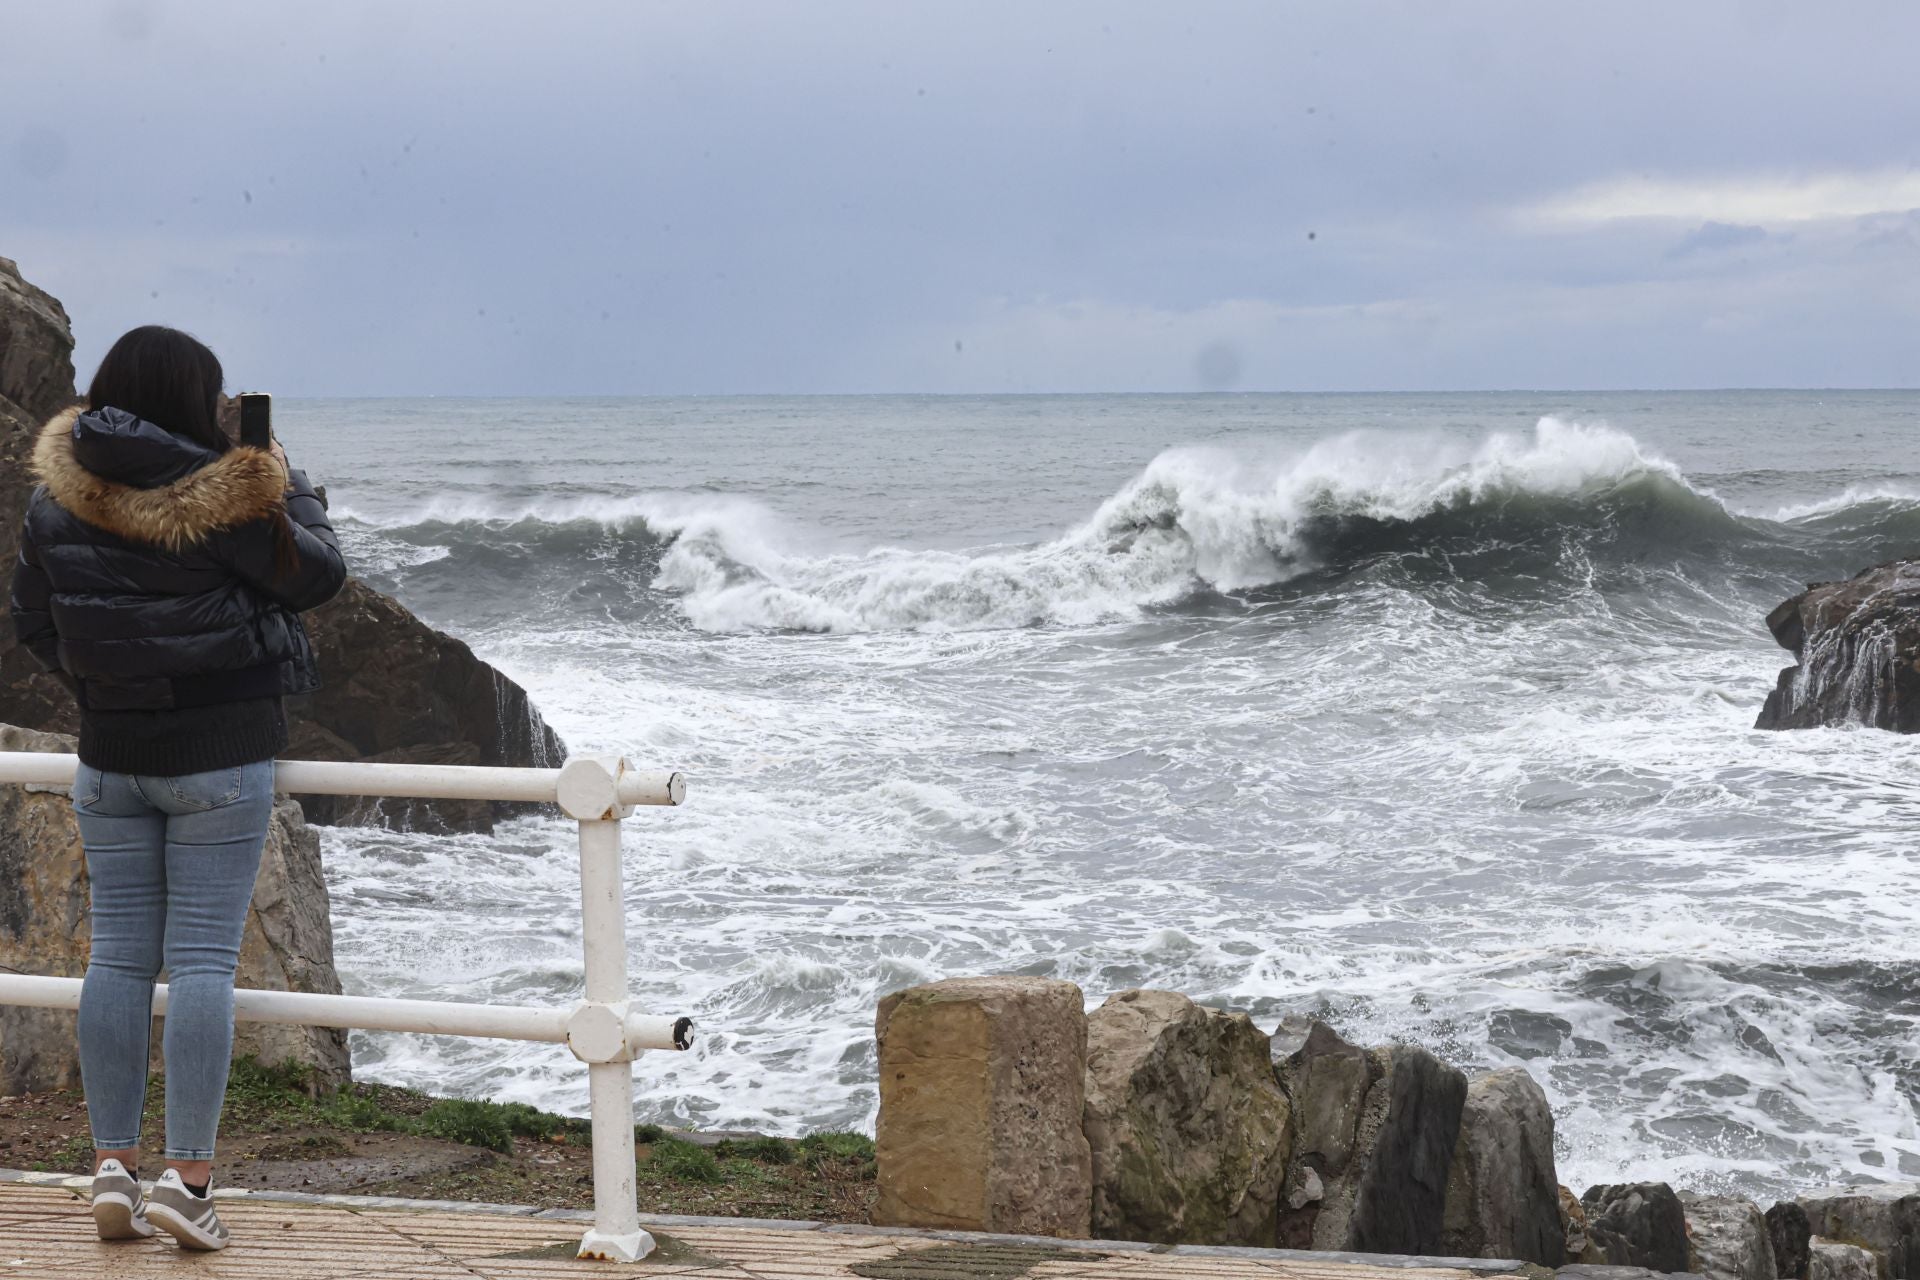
(256, 419)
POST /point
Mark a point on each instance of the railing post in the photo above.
(588, 793)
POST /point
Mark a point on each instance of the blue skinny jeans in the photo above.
(171, 863)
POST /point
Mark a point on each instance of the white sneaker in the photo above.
(119, 1210)
(188, 1218)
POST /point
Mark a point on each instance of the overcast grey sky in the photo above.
(472, 198)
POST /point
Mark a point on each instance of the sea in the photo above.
(1428, 715)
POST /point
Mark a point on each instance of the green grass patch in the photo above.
(289, 1096)
(758, 1162)
(544, 1126)
(817, 1149)
(478, 1124)
(684, 1162)
(749, 1173)
(261, 1094)
(364, 1114)
(78, 1150)
(764, 1150)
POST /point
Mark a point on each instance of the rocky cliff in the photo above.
(1858, 648)
(396, 689)
(36, 380)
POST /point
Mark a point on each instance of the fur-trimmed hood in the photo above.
(190, 491)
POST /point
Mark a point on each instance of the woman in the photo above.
(162, 571)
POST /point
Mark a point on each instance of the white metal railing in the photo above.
(603, 1030)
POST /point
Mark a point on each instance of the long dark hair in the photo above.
(169, 378)
(172, 380)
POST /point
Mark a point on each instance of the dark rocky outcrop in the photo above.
(1503, 1192)
(45, 926)
(396, 689)
(1858, 646)
(1402, 1198)
(1639, 1224)
(1884, 1218)
(1373, 1148)
(1187, 1125)
(1789, 1231)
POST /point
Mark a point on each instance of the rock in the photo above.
(288, 946)
(1290, 1037)
(1857, 643)
(1528, 1033)
(1412, 1131)
(1832, 1260)
(1327, 1081)
(982, 1096)
(1503, 1192)
(1884, 1218)
(1377, 1129)
(36, 381)
(1187, 1125)
(1601, 1271)
(36, 348)
(1729, 1238)
(45, 923)
(1573, 1222)
(395, 689)
(1789, 1232)
(398, 813)
(1638, 1224)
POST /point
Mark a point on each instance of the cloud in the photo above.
(717, 196)
(1709, 237)
(1749, 199)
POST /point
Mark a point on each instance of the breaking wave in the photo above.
(1509, 509)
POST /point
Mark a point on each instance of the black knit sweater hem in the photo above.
(170, 744)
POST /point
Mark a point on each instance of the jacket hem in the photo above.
(171, 744)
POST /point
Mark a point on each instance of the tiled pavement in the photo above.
(46, 1230)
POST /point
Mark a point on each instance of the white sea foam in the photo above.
(1853, 496)
(1519, 823)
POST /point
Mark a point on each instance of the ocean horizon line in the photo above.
(592, 397)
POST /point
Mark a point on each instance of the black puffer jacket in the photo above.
(159, 576)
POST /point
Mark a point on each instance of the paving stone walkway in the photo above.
(46, 1230)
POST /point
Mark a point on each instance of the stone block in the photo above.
(982, 1095)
